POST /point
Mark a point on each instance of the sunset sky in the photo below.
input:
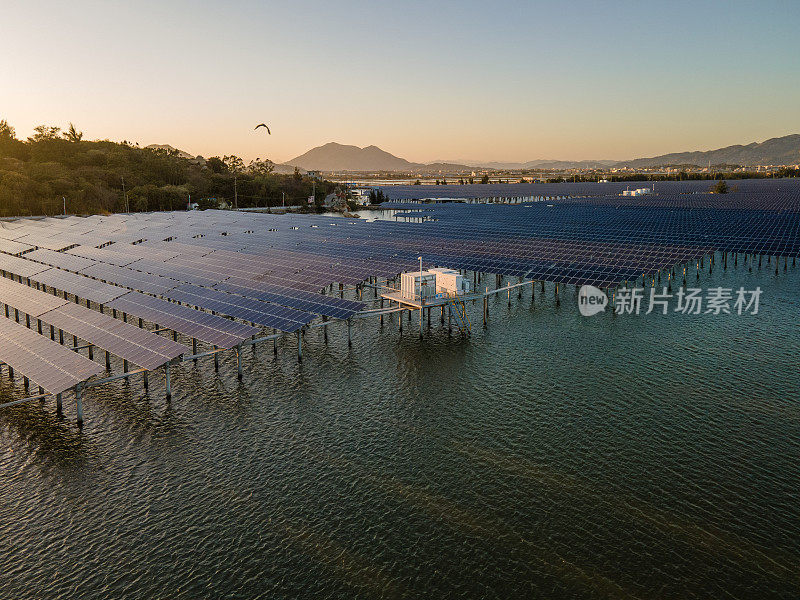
(423, 80)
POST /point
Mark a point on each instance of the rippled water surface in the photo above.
(550, 455)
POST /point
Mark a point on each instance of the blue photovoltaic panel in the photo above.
(196, 276)
(136, 345)
(104, 255)
(129, 278)
(212, 329)
(247, 309)
(307, 301)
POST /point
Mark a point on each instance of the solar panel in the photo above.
(212, 329)
(26, 299)
(20, 266)
(11, 247)
(46, 363)
(61, 260)
(104, 255)
(247, 309)
(139, 346)
(44, 240)
(78, 285)
(129, 278)
(307, 301)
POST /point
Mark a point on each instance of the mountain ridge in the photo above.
(784, 150)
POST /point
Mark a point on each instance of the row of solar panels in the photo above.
(129, 342)
(160, 278)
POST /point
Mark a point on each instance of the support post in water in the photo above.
(299, 346)
(167, 381)
(79, 402)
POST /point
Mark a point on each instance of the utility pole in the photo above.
(235, 193)
(283, 199)
(65, 205)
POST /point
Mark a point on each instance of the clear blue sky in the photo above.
(424, 80)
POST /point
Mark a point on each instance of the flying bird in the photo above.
(264, 125)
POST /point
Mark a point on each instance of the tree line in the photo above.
(52, 167)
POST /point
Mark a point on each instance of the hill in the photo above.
(775, 151)
(339, 157)
(38, 176)
(170, 149)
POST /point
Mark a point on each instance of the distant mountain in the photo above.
(338, 157)
(169, 148)
(776, 151)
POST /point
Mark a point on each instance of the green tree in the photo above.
(216, 165)
(720, 188)
(42, 133)
(72, 134)
(485, 179)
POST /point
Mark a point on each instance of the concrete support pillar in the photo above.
(239, 361)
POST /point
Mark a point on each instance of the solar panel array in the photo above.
(46, 363)
(126, 341)
(27, 300)
(78, 285)
(212, 329)
(269, 269)
(136, 345)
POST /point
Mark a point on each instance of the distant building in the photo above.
(638, 192)
(314, 174)
(360, 195)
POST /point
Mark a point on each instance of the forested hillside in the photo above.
(37, 174)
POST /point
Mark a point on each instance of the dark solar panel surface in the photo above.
(127, 341)
(307, 301)
(188, 321)
(130, 278)
(246, 309)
